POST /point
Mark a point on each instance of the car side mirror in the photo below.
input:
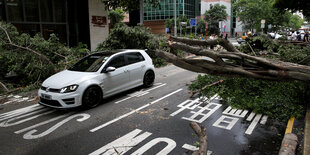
(109, 69)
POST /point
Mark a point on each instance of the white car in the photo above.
(97, 76)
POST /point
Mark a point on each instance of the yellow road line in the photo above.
(289, 126)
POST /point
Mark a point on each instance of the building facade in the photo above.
(72, 21)
(232, 25)
(155, 17)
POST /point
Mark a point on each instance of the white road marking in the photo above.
(18, 112)
(25, 108)
(31, 99)
(202, 112)
(17, 96)
(230, 123)
(238, 112)
(31, 135)
(171, 145)
(140, 93)
(132, 112)
(264, 120)
(253, 124)
(42, 123)
(193, 148)
(122, 144)
(17, 99)
(192, 104)
(235, 112)
(8, 124)
(188, 104)
(250, 117)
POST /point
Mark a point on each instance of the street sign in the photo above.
(263, 21)
(262, 26)
(193, 22)
(269, 26)
(167, 30)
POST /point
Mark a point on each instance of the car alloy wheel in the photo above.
(92, 97)
(149, 78)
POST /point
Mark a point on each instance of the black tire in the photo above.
(92, 97)
(149, 78)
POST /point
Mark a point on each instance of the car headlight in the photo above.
(69, 89)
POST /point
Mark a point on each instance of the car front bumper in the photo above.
(59, 100)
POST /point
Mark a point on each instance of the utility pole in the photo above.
(175, 18)
(141, 12)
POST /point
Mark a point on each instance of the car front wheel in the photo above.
(149, 78)
(92, 97)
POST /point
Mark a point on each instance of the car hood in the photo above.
(67, 78)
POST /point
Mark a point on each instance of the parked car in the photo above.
(97, 76)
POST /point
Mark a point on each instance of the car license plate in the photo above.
(45, 96)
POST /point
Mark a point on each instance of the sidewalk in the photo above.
(306, 148)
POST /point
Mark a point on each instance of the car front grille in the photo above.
(53, 90)
(69, 101)
(50, 102)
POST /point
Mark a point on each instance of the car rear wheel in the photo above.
(92, 97)
(149, 78)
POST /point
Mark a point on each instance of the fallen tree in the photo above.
(230, 62)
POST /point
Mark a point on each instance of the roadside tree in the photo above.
(116, 16)
(213, 16)
(131, 6)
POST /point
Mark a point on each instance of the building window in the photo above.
(46, 10)
(60, 11)
(59, 30)
(32, 11)
(31, 29)
(15, 10)
(1, 10)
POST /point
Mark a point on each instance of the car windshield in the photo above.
(90, 63)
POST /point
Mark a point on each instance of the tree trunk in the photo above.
(230, 62)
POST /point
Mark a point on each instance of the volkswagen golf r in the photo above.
(97, 76)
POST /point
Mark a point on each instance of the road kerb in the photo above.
(289, 126)
(306, 148)
(290, 140)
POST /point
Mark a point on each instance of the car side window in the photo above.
(117, 62)
(134, 57)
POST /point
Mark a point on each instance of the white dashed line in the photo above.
(132, 112)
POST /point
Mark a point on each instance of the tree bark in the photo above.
(203, 138)
(230, 62)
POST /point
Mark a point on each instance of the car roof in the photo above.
(117, 51)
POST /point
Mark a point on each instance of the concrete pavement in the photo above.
(306, 149)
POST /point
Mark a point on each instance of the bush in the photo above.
(28, 60)
(279, 100)
(139, 37)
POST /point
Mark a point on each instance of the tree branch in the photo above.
(203, 138)
(25, 48)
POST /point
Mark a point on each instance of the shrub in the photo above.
(27, 60)
(139, 37)
(277, 99)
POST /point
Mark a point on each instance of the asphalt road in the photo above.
(140, 121)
